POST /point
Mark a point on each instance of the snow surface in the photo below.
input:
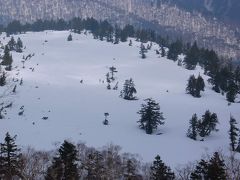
(75, 111)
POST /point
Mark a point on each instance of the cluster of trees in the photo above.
(195, 86)
(202, 127)
(223, 77)
(78, 161)
(15, 46)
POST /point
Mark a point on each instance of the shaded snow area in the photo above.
(58, 106)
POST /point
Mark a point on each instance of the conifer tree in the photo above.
(232, 92)
(19, 45)
(191, 86)
(233, 133)
(192, 131)
(163, 52)
(10, 158)
(112, 71)
(216, 168)
(151, 116)
(69, 38)
(64, 165)
(207, 124)
(142, 51)
(128, 90)
(192, 57)
(3, 78)
(159, 171)
(12, 44)
(7, 57)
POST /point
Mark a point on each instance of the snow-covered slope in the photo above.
(76, 110)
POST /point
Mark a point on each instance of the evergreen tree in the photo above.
(12, 44)
(64, 165)
(7, 57)
(151, 116)
(159, 171)
(69, 38)
(10, 158)
(195, 86)
(142, 51)
(214, 169)
(112, 71)
(163, 52)
(19, 45)
(192, 131)
(232, 92)
(130, 170)
(128, 90)
(3, 78)
(174, 50)
(200, 171)
(192, 57)
(233, 133)
(207, 124)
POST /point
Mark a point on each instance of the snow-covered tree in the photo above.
(128, 90)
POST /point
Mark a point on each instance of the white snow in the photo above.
(75, 111)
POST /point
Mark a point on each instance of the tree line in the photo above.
(77, 161)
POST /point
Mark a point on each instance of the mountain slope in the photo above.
(51, 88)
(162, 16)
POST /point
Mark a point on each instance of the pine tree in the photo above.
(233, 133)
(151, 116)
(10, 158)
(232, 92)
(12, 44)
(191, 86)
(216, 168)
(3, 78)
(163, 52)
(112, 71)
(142, 51)
(192, 57)
(128, 90)
(130, 170)
(192, 131)
(159, 171)
(19, 45)
(7, 57)
(200, 171)
(207, 124)
(64, 165)
(195, 86)
(69, 38)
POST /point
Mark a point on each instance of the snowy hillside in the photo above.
(73, 110)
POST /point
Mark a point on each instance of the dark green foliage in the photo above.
(112, 71)
(10, 158)
(64, 165)
(232, 92)
(151, 116)
(195, 86)
(193, 125)
(3, 78)
(159, 171)
(233, 133)
(163, 52)
(12, 44)
(19, 45)
(7, 57)
(175, 49)
(192, 57)
(128, 90)
(69, 38)
(130, 170)
(214, 169)
(207, 124)
(142, 51)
